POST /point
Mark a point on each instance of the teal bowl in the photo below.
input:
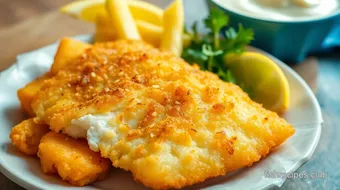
(290, 41)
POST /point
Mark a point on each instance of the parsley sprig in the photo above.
(208, 50)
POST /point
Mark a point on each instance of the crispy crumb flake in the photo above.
(154, 114)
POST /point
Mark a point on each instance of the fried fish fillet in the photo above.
(151, 113)
(27, 134)
(71, 159)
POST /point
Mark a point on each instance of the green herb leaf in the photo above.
(244, 36)
(194, 56)
(237, 41)
(231, 33)
(209, 50)
(194, 32)
(216, 20)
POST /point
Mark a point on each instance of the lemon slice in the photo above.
(145, 11)
(261, 78)
(85, 9)
(88, 10)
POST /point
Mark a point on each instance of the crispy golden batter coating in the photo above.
(171, 124)
(29, 92)
(27, 134)
(71, 159)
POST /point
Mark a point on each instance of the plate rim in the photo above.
(87, 37)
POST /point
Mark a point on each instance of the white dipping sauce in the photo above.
(283, 10)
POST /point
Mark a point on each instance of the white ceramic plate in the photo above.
(304, 114)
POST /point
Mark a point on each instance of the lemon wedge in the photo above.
(147, 12)
(172, 39)
(85, 9)
(88, 10)
(149, 32)
(261, 78)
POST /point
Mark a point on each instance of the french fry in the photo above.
(122, 20)
(172, 39)
(147, 12)
(68, 50)
(104, 29)
(149, 32)
(88, 10)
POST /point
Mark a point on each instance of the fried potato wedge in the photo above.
(27, 134)
(68, 50)
(104, 30)
(71, 159)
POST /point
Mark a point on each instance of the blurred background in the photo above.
(14, 11)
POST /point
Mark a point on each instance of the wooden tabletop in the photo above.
(14, 11)
(15, 15)
(29, 24)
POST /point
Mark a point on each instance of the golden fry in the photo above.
(172, 39)
(122, 20)
(104, 29)
(150, 33)
(88, 10)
